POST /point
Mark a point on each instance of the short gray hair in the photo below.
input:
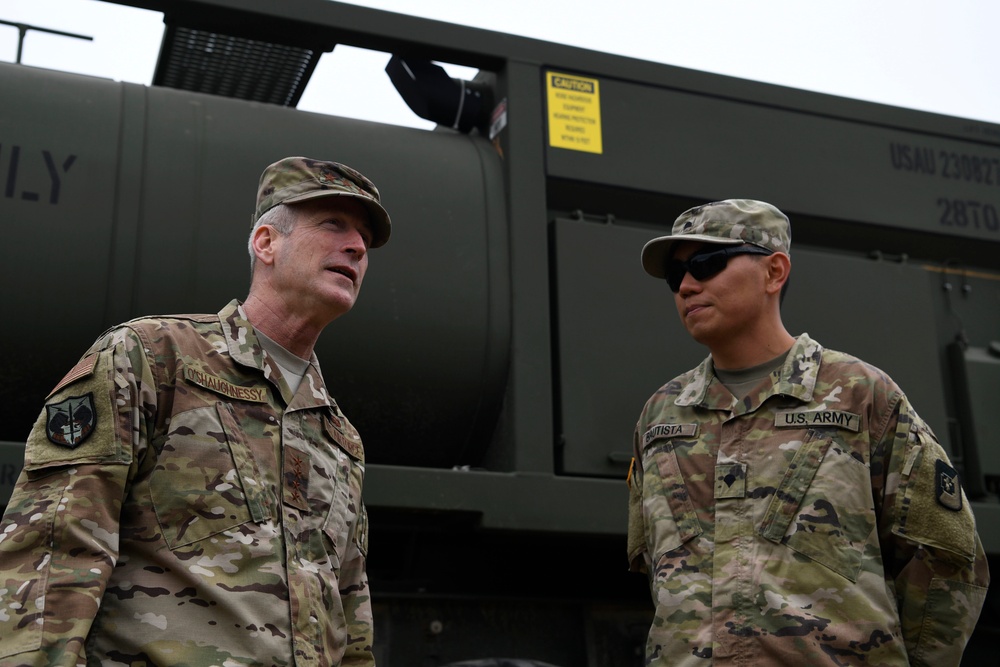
(281, 218)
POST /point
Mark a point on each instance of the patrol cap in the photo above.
(297, 179)
(728, 222)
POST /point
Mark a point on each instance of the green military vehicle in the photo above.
(507, 337)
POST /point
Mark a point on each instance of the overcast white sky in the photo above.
(934, 55)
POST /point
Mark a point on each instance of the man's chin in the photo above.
(340, 304)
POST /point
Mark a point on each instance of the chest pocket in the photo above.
(667, 510)
(824, 508)
(203, 471)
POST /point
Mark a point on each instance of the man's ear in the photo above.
(779, 267)
(263, 243)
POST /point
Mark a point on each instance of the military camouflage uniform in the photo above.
(180, 506)
(815, 522)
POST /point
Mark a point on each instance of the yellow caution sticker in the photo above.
(574, 112)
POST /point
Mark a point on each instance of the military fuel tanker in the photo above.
(507, 337)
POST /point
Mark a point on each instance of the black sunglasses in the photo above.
(707, 263)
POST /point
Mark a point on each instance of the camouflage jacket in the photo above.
(180, 506)
(816, 522)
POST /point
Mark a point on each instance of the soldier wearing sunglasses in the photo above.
(786, 501)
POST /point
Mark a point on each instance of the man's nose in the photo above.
(355, 243)
(689, 284)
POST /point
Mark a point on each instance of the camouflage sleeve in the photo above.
(59, 535)
(933, 555)
(636, 542)
(357, 599)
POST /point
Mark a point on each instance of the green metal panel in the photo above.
(670, 141)
(976, 377)
(983, 369)
(618, 341)
(507, 501)
(526, 418)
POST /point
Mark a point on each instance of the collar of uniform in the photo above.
(245, 348)
(801, 368)
(695, 390)
(704, 390)
(312, 391)
(798, 377)
(240, 336)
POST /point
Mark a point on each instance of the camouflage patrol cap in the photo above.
(296, 179)
(728, 222)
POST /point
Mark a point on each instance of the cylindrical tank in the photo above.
(120, 200)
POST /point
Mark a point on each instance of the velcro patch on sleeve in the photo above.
(933, 509)
(77, 423)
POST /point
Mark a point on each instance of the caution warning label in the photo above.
(574, 112)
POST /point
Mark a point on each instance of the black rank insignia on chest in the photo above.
(947, 488)
(295, 491)
(71, 421)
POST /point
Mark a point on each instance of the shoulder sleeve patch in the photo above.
(78, 423)
(947, 487)
(931, 506)
(71, 421)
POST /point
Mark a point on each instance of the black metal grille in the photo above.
(246, 69)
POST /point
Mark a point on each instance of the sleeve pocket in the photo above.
(949, 619)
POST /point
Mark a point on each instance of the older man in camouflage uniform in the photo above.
(788, 503)
(191, 493)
